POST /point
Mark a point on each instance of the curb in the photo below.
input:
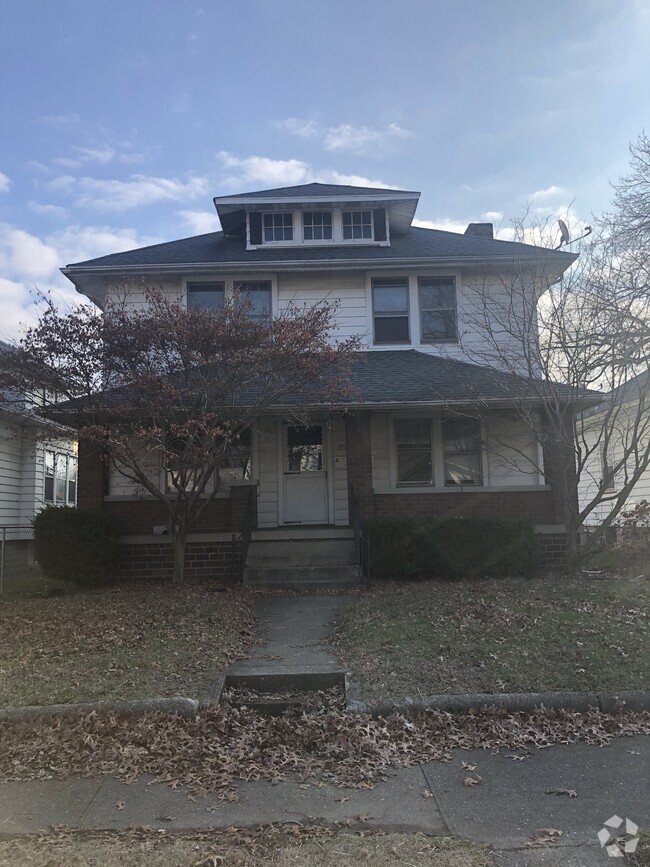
(606, 702)
(179, 705)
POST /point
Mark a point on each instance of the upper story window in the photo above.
(390, 310)
(258, 296)
(60, 479)
(205, 296)
(357, 225)
(413, 451)
(461, 438)
(277, 227)
(317, 225)
(437, 300)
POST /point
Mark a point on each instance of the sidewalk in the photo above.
(503, 811)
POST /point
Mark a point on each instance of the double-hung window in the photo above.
(205, 296)
(257, 295)
(236, 462)
(462, 450)
(413, 451)
(278, 227)
(357, 225)
(437, 298)
(317, 225)
(390, 308)
(60, 479)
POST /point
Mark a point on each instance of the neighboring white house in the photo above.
(35, 471)
(629, 420)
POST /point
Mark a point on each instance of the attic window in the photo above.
(357, 225)
(278, 227)
(317, 225)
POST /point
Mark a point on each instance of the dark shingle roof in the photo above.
(417, 244)
(315, 189)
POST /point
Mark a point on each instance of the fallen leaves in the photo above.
(227, 744)
(426, 793)
(544, 836)
(473, 781)
(570, 792)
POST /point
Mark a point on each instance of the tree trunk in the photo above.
(179, 539)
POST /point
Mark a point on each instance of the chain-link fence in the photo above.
(17, 567)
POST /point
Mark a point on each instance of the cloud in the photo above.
(492, 216)
(200, 222)
(47, 210)
(445, 224)
(346, 136)
(61, 121)
(25, 254)
(101, 154)
(551, 192)
(242, 171)
(5, 183)
(139, 190)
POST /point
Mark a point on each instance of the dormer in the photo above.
(317, 215)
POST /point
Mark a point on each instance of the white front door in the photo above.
(305, 475)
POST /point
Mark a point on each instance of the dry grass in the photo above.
(120, 643)
(274, 846)
(514, 635)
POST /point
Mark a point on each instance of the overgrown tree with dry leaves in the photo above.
(166, 392)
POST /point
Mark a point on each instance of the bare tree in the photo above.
(166, 391)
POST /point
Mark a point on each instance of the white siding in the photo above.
(345, 291)
(10, 475)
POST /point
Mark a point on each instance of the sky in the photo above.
(119, 121)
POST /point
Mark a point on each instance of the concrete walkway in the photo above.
(294, 632)
(503, 811)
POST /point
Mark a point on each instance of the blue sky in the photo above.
(120, 120)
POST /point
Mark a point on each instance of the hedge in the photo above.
(420, 548)
(76, 545)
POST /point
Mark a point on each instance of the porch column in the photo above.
(359, 458)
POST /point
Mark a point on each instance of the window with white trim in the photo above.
(257, 294)
(461, 439)
(390, 310)
(277, 227)
(60, 483)
(205, 296)
(317, 225)
(357, 225)
(413, 451)
(437, 299)
(609, 477)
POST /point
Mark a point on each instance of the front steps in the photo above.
(302, 556)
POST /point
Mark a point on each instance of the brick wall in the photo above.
(155, 559)
(139, 517)
(552, 549)
(534, 506)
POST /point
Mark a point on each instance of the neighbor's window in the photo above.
(390, 306)
(608, 464)
(462, 449)
(317, 225)
(258, 295)
(205, 296)
(437, 297)
(278, 227)
(357, 225)
(60, 479)
(413, 450)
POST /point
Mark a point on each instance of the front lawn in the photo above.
(120, 643)
(509, 635)
(276, 846)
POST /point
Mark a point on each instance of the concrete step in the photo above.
(288, 577)
(303, 552)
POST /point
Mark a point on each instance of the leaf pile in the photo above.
(227, 744)
(120, 643)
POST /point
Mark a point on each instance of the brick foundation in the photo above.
(155, 559)
(552, 549)
(534, 506)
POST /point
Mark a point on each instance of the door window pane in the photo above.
(305, 449)
(413, 448)
(205, 296)
(462, 445)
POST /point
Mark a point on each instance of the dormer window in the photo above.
(357, 225)
(317, 225)
(278, 227)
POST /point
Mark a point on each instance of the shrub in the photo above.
(417, 548)
(74, 545)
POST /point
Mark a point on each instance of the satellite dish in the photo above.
(566, 238)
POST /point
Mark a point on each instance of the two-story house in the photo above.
(431, 432)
